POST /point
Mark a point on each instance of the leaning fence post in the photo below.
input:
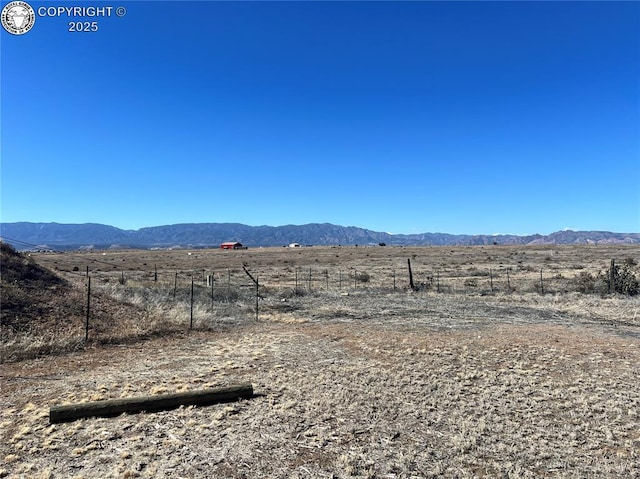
(86, 326)
(411, 285)
(255, 281)
(541, 283)
(257, 297)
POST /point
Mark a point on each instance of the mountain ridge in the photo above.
(25, 235)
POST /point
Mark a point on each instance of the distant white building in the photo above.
(294, 245)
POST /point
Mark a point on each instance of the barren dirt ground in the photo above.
(392, 385)
(340, 399)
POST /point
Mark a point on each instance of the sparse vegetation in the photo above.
(354, 380)
(362, 276)
(43, 313)
(624, 279)
(26, 291)
(471, 282)
(585, 282)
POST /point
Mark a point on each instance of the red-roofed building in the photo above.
(232, 245)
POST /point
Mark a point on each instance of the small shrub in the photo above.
(585, 282)
(630, 262)
(600, 286)
(224, 295)
(538, 288)
(292, 293)
(528, 268)
(472, 271)
(625, 280)
(362, 276)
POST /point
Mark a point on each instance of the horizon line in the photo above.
(564, 230)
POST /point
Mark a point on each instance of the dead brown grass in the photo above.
(341, 399)
(375, 383)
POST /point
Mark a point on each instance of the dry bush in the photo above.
(291, 293)
(625, 280)
(585, 282)
(471, 282)
(362, 276)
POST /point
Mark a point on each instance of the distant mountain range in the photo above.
(200, 235)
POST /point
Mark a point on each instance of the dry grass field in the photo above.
(475, 374)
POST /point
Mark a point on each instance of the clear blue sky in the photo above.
(406, 117)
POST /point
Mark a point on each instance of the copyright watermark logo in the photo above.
(18, 17)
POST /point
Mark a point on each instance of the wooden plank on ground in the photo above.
(115, 407)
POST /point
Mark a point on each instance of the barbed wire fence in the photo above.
(199, 297)
(115, 301)
(204, 296)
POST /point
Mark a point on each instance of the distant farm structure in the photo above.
(232, 245)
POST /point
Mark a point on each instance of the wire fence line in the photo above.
(203, 294)
(130, 296)
(470, 281)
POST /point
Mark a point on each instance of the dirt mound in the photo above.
(43, 313)
(30, 294)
